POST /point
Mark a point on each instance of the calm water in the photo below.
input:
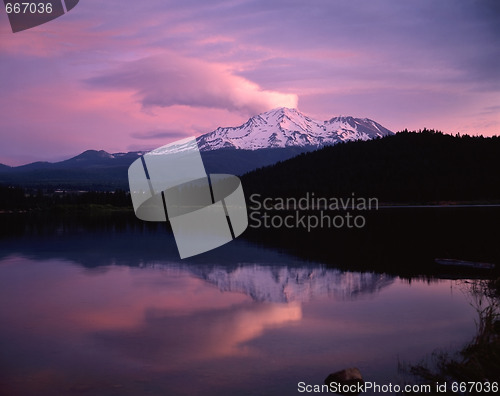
(113, 312)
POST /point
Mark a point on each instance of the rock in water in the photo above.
(346, 381)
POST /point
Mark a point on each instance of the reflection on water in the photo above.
(105, 313)
(129, 330)
(284, 284)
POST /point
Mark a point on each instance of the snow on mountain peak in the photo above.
(285, 127)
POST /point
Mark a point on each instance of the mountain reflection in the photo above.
(288, 284)
(264, 274)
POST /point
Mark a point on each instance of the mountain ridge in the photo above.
(284, 127)
(263, 140)
(348, 128)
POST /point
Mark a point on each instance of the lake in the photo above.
(108, 308)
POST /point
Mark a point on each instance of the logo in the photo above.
(205, 211)
(28, 14)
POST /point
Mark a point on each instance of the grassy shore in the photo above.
(478, 361)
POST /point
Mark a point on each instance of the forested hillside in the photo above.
(411, 167)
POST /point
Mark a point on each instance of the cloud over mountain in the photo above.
(165, 81)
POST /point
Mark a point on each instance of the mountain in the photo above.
(92, 156)
(284, 127)
(263, 140)
(90, 159)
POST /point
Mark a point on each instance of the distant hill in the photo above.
(99, 170)
(91, 170)
(420, 166)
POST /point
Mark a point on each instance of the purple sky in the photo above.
(124, 75)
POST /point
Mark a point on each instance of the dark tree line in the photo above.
(411, 167)
(18, 198)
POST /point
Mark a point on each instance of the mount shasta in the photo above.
(263, 140)
(283, 127)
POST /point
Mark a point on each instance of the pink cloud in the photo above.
(168, 80)
(59, 120)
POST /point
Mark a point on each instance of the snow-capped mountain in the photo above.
(263, 140)
(283, 127)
